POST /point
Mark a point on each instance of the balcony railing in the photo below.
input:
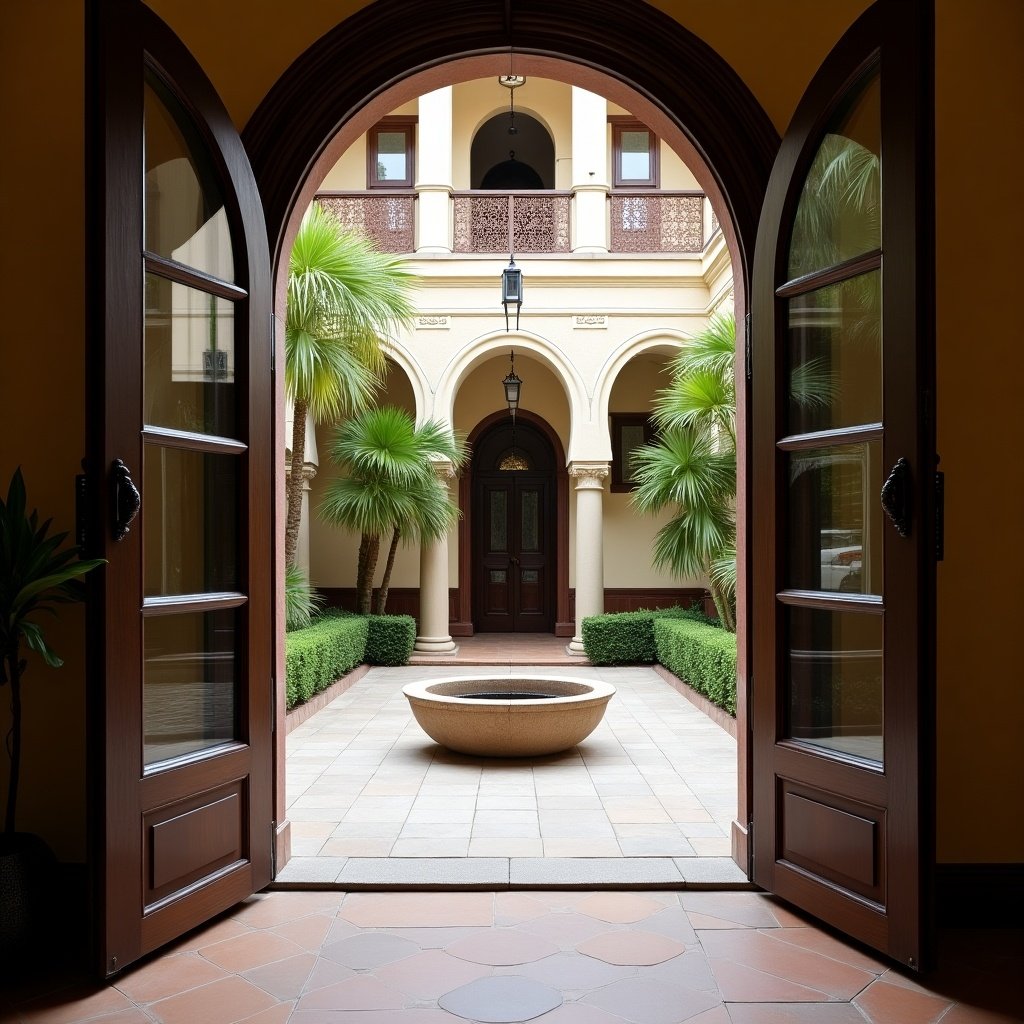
(520, 222)
(386, 218)
(657, 221)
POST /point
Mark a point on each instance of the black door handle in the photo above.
(896, 496)
(126, 499)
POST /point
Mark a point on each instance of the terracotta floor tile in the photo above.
(167, 976)
(620, 907)
(673, 922)
(716, 1015)
(407, 1016)
(828, 945)
(431, 974)
(327, 972)
(208, 934)
(501, 1000)
(690, 970)
(574, 973)
(308, 932)
(635, 948)
(285, 979)
(269, 909)
(581, 1013)
(888, 1004)
(502, 947)
(786, 961)
(514, 907)
(275, 1015)
(565, 930)
(132, 1015)
(650, 1002)
(964, 1013)
(794, 1013)
(420, 909)
(368, 950)
(244, 952)
(222, 1002)
(71, 1006)
(362, 992)
(436, 938)
(741, 984)
(787, 916)
(743, 908)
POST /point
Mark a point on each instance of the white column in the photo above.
(434, 637)
(434, 171)
(302, 548)
(589, 171)
(590, 478)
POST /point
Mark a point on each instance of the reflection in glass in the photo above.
(188, 683)
(631, 437)
(636, 156)
(189, 360)
(391, 157)
(840, 213)
(835, 519)
(497, 575)
(191, 522)
(499, 520)
(530, 535)
(185, 218)
(835, 355)
(835, 681)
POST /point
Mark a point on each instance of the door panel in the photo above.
(844, 602)
(182, 635)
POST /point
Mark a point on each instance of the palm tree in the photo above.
(389, 485)
(692, 465)
(343, 295)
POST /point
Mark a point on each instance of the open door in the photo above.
(844, 533)
(179, 486)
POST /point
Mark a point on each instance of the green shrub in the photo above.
(321, 653)
(703, 656)
(627, 638)
(390, 639)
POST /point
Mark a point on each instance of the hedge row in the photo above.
(702, 655)
(627, 638)
(336, 643)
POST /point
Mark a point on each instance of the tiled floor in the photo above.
(551, 957)
(656, 781)
(505, 649)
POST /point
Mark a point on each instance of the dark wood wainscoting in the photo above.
(406, 601)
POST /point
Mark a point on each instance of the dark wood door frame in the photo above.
(564, 626)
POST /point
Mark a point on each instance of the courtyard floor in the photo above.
(647, 799)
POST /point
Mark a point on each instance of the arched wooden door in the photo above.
(513, 531)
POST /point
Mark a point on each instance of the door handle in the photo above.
(126, 499)
(896, 496)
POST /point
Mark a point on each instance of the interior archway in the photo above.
(525, 160)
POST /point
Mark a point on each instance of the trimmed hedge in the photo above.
(319, 654)
(702, 655)
(627, 638)
(390, 639)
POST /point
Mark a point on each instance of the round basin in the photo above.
(490, 716)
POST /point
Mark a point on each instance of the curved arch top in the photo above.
(684, 82)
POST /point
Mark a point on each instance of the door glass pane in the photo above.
(835, 519)
(392, 159)
(189, 364)
(636, 156)
(835, 681)
(190, 522)
(530, 534)
(499, 520)
(835, 356)
(188, 681)
(185, 219)
(840, 213)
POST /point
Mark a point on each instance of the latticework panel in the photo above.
(653, 222)
(387, 221)
(540, 223)
(481, 224)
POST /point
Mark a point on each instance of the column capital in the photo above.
(444, 470)
(589, 475)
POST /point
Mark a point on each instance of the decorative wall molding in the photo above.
(589, 321)
(589, 475)
(433, 323)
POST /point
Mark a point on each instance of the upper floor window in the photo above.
(630, 431)
(634, 154)
(391, 153)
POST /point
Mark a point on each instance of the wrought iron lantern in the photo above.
(512, 385)
(512, 289)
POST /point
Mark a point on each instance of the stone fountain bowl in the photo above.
(515, 717)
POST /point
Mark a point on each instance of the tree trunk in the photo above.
(723, 606)
(293, 517)
(364, 585)
(385, 583)
(15, 668)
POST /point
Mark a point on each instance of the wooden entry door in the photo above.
(180, 487)
(513, 532)
(844, 460)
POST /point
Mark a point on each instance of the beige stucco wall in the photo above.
(775, 49)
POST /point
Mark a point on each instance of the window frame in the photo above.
(392, 124)
(618, 421)
(622, 123)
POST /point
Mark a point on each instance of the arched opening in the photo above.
(525, 160)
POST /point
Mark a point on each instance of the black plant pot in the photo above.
(26, 869)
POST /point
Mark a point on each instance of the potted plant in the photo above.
(36, 575)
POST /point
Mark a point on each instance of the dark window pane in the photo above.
(189, 372)
(835, 356)
(499, 520)
(835, 519)
(530, 535)
(190, 522)
(632, 437)
(840, 214)
(835, 681)
(189, 675)
(185, 218)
